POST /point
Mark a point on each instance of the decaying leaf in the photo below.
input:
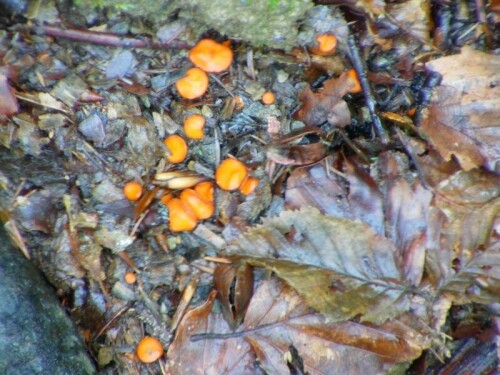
(277, 318)
(341, 267)
(463, 118)
(207, 356)
(8, 101)
(287, 150)
(234, 285)
(326, 105)
(467, 261)
(406, 211)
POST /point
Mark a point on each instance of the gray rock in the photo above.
(36, 336)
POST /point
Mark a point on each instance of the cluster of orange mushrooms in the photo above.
(196, 202)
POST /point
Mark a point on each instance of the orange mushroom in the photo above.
(193, 85)
(202, 209)
(230, 174)
(268, 98)
(206, 190)
(177, 148)
(326, 44)
(248, 185)
(211, 56)
(355, 81)
(130, 278)
(132, 191)
(149, 349)
(193, 126)
(180, 216)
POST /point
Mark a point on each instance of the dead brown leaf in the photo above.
(234, 285)
(341, 267)
(8, 101)
(277, 318)
(463, 118)
(465, 254)
(326, 105)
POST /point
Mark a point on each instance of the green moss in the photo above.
(272, 23)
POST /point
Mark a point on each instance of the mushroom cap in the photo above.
(193, 126)
(180, 216)
(211, 56)
(325, 45)
(248, 185)
(230, 174)
(132, 190)
(193, 85)
(206, 190)
(268, 97)
(356, 85)
(201, 208)
(177, 148)
(149, 349)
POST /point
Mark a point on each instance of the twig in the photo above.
(105, 39)
(359, 66)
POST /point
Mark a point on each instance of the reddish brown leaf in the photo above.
(359, 200)
(467, 261)
(232, 356)
(464, 116)
(277, 318)
(406, 212)
(234, 285)
(316, 108)
(8, 101)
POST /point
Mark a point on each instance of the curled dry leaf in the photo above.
(277, 318)
(341, 267)
(463, 118)
(317, 108)
(287, 150)
(234, 284)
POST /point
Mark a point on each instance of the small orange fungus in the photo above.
(202, 209)
(177, 148)
(211, 56)
(356, 84)
(130, 278)
(268, 98)
(166, 198)
(326, 44)
(180, 216)
(149, 349)
(206, 190)
(193, 85)
(230, 174)
(193, 126)
(249, 185)
(132, 190)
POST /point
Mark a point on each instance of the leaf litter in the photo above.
(362, 269)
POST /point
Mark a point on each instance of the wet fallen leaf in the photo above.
(358, 199)
(341, 267)
(468, 260)
(277, 318)
(317, 108)
(406, 210)
(463, 118)
(234, 285)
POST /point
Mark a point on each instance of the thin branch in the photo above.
(105, 39)
(359, 66)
